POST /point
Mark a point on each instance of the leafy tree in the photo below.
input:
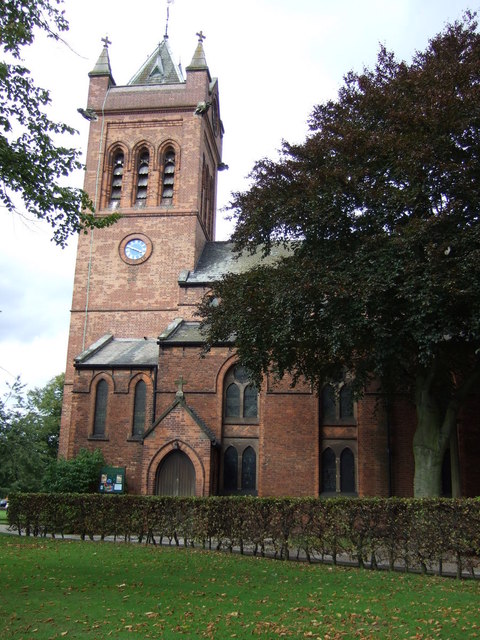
(29, 430)
(31, 163)
(78, 475)
(379, 213)
(44, 406)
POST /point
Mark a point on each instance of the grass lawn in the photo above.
(60, 589)
(3, 516)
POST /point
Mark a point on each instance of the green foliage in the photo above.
(29, 431)
(122, 591)
(379, 209)
(80, 474)
(396, 533)
(32, 165)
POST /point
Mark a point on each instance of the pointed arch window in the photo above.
(329, 408)
(168, 178)
(347, 471)
(232, 401)
(100, 416)
(249, 469)
(346, 402)
(241, 397)
(139, 406)
(230, 469)
(142, 178)
(337, 403)
(338, 469)
(240, 470)
(329, 471)
(117, 178)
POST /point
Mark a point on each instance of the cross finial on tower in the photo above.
(180, 382)
(106, 42)
(201, 37)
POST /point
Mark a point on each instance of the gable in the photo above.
(182, 422)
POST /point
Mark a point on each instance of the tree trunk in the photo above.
(455, 465)
(430, 441)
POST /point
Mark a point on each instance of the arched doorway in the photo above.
(175, 475)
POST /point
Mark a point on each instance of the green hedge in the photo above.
(394, 533)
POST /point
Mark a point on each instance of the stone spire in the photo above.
(199, 61)
(102, 68)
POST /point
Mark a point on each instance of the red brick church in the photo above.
(135, 384)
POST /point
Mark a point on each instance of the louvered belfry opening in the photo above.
(117, 178)
(142, 179)
(168, 176)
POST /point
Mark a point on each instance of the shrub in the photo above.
(77, 475)
(410, 534)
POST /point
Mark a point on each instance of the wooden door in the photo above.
(175, 476)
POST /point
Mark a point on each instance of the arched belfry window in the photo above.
(139, 406)
(142, 178)
(117, 178)
(241, 396)
(100, 415)
(168, 178)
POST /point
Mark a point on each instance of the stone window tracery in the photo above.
(241, 396)
(337, 404)
(240, 470)
(338, 469)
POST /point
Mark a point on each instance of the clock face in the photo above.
(135, 249)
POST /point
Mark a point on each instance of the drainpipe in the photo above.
(154, 395)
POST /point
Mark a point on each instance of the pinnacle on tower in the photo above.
(199, 61)
(102, 67)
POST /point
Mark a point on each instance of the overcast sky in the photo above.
(275, 59)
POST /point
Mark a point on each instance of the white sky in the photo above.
(275, 59)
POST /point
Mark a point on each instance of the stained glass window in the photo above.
(347, 471)
(100, 418)
(139, 408)
(329, 471)
(249, 469)
(230, 469)
(232, 401)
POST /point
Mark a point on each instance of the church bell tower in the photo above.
(153, 154)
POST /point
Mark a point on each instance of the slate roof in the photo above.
(159, 68)
(218, 258)
(120, 352)
(180, 332)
